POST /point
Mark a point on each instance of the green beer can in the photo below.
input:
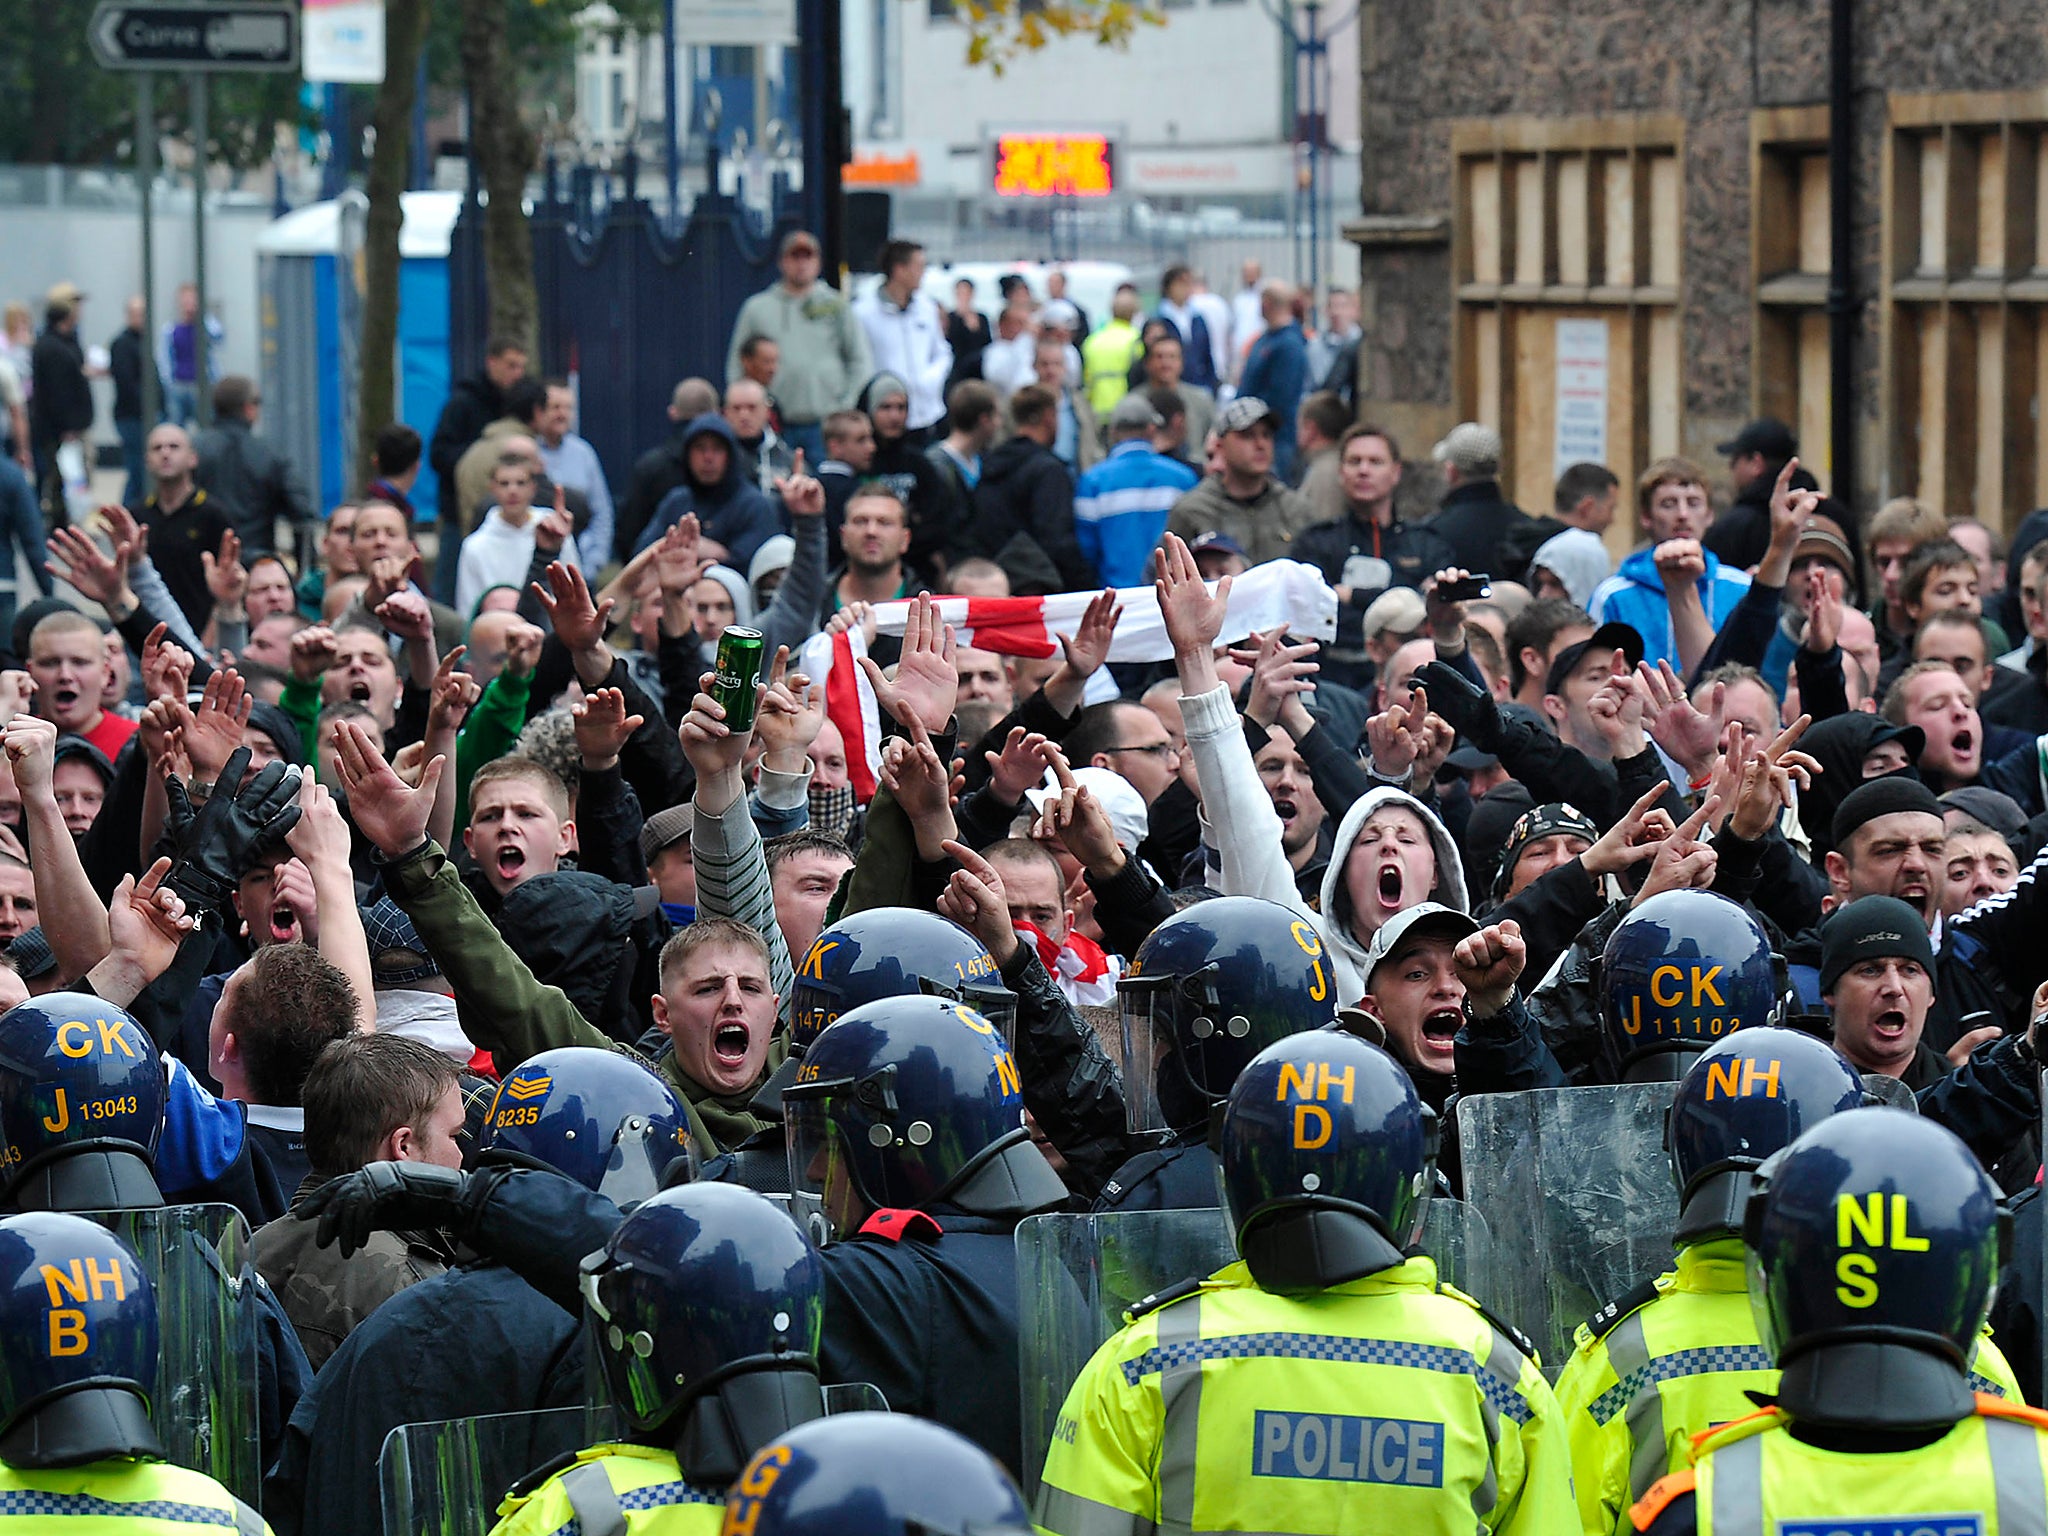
(736, 675)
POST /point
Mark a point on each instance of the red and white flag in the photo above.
(1083, 971)
(1280, 593)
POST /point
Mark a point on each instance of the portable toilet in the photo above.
(310, 273)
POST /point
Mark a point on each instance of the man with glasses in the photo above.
(824, 356)
(1127, 739)
(247, 474)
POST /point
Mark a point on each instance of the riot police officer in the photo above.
(1327, 1383)
(1873, 1245)
(1207, 991)
(83, 1098)
(81, 1106)
(1680, 1353)
(863, 958)
(874, 1474)
(594, 1121)
(706, 1305)
(908, 1151)
(907, 1136)
(1677, 973)
(79, 1322)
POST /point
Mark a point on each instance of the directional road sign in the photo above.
(252, 36)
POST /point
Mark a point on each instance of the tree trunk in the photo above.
(405, 33)
(504, 150)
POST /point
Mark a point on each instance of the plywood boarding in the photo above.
(1965, 283)
(1791, 251)
(1568, 219)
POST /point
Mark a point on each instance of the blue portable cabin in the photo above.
(310, 272)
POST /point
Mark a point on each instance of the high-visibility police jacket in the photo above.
(132, 1498)
(1385, 1404)
(1667, 1362)
(612, 1490)
(1988, 1476)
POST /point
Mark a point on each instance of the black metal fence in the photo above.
(631, 301)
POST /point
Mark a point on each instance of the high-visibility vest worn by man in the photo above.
(1874, 1241)
(1681, 1353)
(1327, 1383)
(78, 1325)
(707, 1303)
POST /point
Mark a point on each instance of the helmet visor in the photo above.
(1143, 1009)
(824, 1199)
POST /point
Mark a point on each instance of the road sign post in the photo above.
(252, 36)
(197, 41)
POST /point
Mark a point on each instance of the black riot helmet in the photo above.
(709, 1303)
(1751, 1095)
(1328, 1158)
(1683, 970)
(1874, 1246)
(1208, 990)
(81, 1106)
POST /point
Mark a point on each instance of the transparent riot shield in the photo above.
(204, 1400)
(1076, 1274)
(1456, 1236)
(448, 1478)
(1575, 1189)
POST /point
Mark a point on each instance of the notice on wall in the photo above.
(1581, 394)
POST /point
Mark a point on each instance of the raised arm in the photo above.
(70, 912)
(321, 840)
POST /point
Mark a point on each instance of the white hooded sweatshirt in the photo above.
(1238, 820)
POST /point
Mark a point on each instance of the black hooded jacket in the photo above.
(1024, 519)
(733, 511)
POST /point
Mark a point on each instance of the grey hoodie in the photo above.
(1240, 823)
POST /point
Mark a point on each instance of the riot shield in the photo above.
(1575, 1189)
(1456, 1236)
(1075, 1276)
(448, 1478)
(204, 1400)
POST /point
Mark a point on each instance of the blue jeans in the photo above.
(181, 404)
(132, 437)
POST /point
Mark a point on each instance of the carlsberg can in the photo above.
(736, 675)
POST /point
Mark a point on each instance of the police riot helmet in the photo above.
(1750, 1095)
(1210, 988)
(598, 1116)
(708, 1298)
(874, 1474)
(1328, 1157)
(1682, 970)
(79, 1321)
(908, 1102)
(1874, 1246)
(81, 1106)
(887, 952)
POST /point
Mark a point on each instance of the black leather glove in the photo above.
(215, 845)
(396, 1197)
(1468, 707)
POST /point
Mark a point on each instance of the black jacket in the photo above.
(655, 473)
(1025, 519)
(1483, 528)
(2023, 702)
(473, 404)
(61, 401)
(589, 936)
(126, 357)
(474, 1340)
(1397, 555)
(244, 472)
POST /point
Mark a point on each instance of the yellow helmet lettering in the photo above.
(74, 1038)
(1312, 1127)
(67, 1333)
(112, 1040)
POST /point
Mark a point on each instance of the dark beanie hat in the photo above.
(1881, 797)
(280, 728)
(1873, 928)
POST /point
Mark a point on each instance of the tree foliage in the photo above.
(1000, 31)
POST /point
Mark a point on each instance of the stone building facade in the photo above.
(1603, 224)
